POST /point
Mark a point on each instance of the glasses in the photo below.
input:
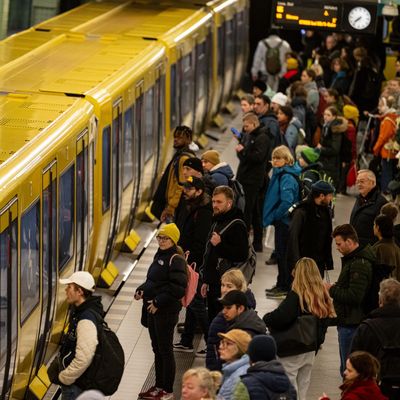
(226, 343)
(362, 180)
(162, 238)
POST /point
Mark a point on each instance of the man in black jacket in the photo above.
(239, 316)
(310, 229)
(194, 230)
(252, 171)
(227, 244)
(382, 330)
(367, 206)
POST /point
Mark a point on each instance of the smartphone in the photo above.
(236, 133)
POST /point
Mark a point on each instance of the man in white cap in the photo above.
(78, 345)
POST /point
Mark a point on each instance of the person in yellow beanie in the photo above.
(292, 75)
(161, 293)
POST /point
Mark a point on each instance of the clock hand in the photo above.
(357, 19)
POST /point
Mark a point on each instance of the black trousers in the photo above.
(254, 196)
(161, 329)
(213, 305)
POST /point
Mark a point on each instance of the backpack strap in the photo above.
(230, 224)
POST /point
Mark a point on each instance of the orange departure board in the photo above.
(306, 14)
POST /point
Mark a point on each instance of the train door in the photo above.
(49, 260)
(116, 176)
(8, 295)
(159, 107)
(82, 196)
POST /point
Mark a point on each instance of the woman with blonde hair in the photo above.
(282, 193)
(232, 279)
(307, 296)
(200, 384)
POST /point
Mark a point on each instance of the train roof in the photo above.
(76, 65)
(29, 116)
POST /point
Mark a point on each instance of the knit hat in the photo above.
(234, 297)
(351, 112)
(322, 187)
(260, 85)
(81, 278)
(194, 163)
(239, 337)
(292, 63)
(262, 348)
(171, 231)
(212, 156)
(194, 182)
(310, 155)
(279, 98)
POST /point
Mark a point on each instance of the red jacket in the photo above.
(364, 390)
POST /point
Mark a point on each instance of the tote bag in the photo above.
(299, 338)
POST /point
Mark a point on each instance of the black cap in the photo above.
(194, 163)
(322, 187)
(195, 182)
(234, 297)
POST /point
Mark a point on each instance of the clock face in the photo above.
(359, 18)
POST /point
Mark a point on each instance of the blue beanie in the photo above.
(322, 187)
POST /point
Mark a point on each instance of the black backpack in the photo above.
(272, 58)
(106, 370)
(388, 354)
(239, 199)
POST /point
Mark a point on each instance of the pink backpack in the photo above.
(192, 281)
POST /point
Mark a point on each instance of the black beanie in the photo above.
(262, 348)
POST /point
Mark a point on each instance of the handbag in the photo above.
(300, 337)
(351, 175)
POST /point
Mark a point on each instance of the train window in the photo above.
(106, 170)
(174, 100)
(161, 107)
(9, 304)
(66, 217)
(149, 124)
(81, 204)
(186, 83)
(229, 44)
(91, 185)
(221, 50)
(127, 175)
(30, 260)
(201, 70)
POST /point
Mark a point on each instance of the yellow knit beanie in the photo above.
(171, 231)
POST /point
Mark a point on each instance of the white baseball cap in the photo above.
(82, 278)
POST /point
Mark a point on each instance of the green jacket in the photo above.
(354, 281)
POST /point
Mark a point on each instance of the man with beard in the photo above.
(227, 244)
(310, 229)
(194, 232)
(169, 190)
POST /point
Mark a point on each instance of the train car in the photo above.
(40, 184)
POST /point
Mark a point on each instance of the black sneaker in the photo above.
(271, 261)
(182, 348)
(201, 353)
(279, 294)
(272, 290)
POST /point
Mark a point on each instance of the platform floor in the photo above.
(124, 314)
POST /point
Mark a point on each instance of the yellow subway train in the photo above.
(88, 101)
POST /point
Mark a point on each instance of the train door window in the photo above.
(66, 217)
(8, 296)
(229, 44)
(221, 51)
(201, 70)
(174, 100)
(81, 198)
(49, 261)
(91, 185)
(30, 260)
(138, 143)
(127, 174)
(149, 125)
(106, 168)
(186, 85)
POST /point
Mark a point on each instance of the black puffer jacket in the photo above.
(233, 246)
(166, 281)
(364, 212)
(250, 322)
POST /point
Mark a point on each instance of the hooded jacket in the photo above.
(363, 214)
(78, 346)
(331, 142)
(293, 135)
(221, 174)
(312, 95)
(264, 381)
(231, 376)
(282, 193)
(352, 285)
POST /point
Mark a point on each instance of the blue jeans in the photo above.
(345, 337)
(70, 392)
